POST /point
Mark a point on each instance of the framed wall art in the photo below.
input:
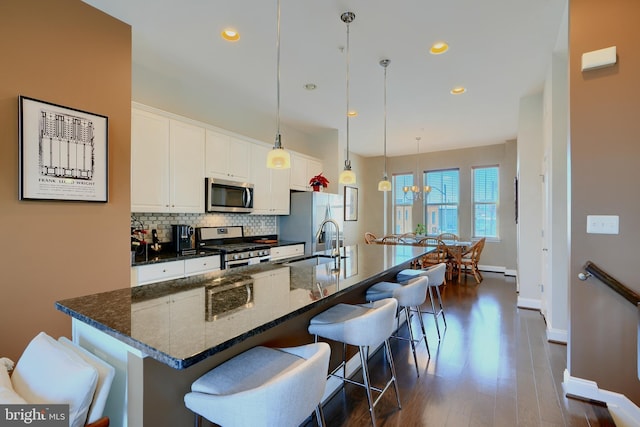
(350, 204)
(63, 153)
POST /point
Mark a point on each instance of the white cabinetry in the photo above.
(201, 265)
(281, 252)
(226, 157)
(151, 273)
(174, 323)
(159, 272)
(302, 170)
(270, 186)
(167, 164)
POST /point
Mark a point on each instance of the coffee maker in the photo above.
(183, 239)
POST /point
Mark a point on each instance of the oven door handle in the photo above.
(246, 197)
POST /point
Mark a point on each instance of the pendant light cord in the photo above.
(278, 142)
(348, 161)
(385, 120)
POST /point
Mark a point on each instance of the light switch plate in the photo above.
(603, 224)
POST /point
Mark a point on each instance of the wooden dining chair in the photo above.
(391, 240)
(448, 236)
(369, 238)
(468, 263)
(407, 237)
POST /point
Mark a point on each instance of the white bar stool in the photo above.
(263, 387)
(362, 325)
(410, 297)
(436, 275)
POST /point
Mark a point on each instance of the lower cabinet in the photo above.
(161, 322)
(281, 252)
(152, 273)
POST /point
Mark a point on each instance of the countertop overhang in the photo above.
(280, 290)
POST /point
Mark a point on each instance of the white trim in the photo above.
(509, 272)
(623, 410)
(491, 268)
(557, 335)
(533, 304)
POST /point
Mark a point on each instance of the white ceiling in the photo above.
(499, 50)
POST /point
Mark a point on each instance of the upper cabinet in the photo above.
(167, 164)
(302, 170)
(226, 157)
(270, 186)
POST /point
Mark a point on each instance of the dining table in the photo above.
(455, 248)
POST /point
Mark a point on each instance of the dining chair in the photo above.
(438, 256)
(391, 240)
(59, 372)
(448, 236)
(369, 238)
(468, 262)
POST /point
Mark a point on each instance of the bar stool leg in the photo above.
(367, 386)
(444, 318)
(198, 420)
(412, 340)
(320, 416)
(387, 347)
(424, 332)
(433, 310)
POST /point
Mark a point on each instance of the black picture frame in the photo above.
(63, 153)
(350, 203)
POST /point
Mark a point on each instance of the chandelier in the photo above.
(414, 192)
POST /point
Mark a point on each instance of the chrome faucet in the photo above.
(336, 249)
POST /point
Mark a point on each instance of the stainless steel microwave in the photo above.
(228, 196)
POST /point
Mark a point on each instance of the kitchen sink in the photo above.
(312, 260)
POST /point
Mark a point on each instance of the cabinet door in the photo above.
(299, 178)
(237, 160)
(270, 186)
(226, 157)
(187, 167)
(280, 196)
(314, 167)
(149, 162)
(261, 179)
(201, 265)
(187, 321)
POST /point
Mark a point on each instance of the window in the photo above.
(441, 203)
(485, 201)
(402, 218)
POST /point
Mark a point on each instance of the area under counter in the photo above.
(176, 324)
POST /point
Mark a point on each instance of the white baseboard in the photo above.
(508, 272)
(557, 335)
(623, 410)
(529, 303)
(491, 268)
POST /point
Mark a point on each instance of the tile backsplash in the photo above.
(254, 225)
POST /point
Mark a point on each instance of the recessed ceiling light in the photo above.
(310, 86)
(230, 34)
(458, 90)
(439, 47)
(352, 113)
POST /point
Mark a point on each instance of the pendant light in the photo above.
(385, 184)
(347, 176)
(278, 158)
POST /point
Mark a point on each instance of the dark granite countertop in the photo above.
(199, 316)
(166, 256)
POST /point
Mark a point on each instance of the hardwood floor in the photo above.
(493, 367)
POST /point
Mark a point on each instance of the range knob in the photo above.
(251, 255)
(236, 256)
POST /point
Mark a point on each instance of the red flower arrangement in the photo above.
(318, 181)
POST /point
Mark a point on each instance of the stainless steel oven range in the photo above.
(233, 245)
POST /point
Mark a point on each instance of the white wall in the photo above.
(529, 227)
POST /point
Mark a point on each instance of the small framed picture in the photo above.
(63, 153)
(350, 204)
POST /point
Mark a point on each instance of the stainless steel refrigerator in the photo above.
(308, 210)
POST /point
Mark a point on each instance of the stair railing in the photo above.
(610, 281)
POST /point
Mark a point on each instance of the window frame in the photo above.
(475, 204)
(408, 204)
(426, 204)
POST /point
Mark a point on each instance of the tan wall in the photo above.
(604, 106)
(67, 53)
(499, 254)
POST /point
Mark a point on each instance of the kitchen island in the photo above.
(161, 337)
